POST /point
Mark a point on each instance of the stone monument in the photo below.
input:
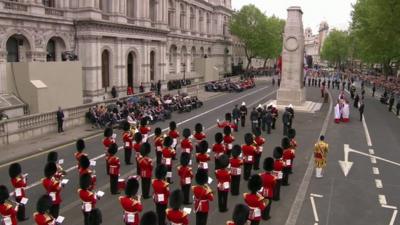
(291, 90)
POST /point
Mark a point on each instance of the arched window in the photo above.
(192, 19)
(171, 13)
(17, 47)
(55, 47)
(152, 65)
(193, 56)
(105, 69)
(172, 58)
(182, 17)
(51, 51)
(131, 69)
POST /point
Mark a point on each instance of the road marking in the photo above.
(389, 206)
(393, 217)
(371, 151)
(382, 199)
(378, 183)
(375, 170)
(373, 160)
(367, 136)
(316, 195)
(314, 209)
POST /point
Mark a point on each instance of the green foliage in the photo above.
(336, 48)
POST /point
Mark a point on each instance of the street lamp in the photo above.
(184, 71)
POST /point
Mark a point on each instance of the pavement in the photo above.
(308, 126)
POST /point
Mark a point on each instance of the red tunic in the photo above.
(278, 167)
(127, 139)
(144, 130)
(228, 141)
(230, 223)
(8, 213)
(199, 136)
(132, 208)
(218, 150)
(90, 172)
(174, 135)
(236, 164)
(256, 204)
(177, 217)
(202, 196)
(186, 145)
(202, 160)
(288, 156)
(269, 182)
(259, 144)
(88, 199)
(53, 188)
(168, 154)
(113, 165)
(186, 175)
(19, 183)
(158, 142)
(43, 219)
(249, 152)
(107, 142)
(161, 191)
(224, 179)
(227, 123)
(293, 144)
(146, 167)
(78, 156)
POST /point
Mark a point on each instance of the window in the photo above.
(131, 8)
(153, 11)
(49, 3)
(51, 51)
(182, 17)
(192, 19)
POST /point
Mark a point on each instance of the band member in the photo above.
(144, 129)
(53, 188)
(84, 164)
(95, 217)
(168, 154)
(240, 215)
(203, 157)
(256, 202)
(186, 143)
(149, 218)
(218, 148)
(87, 197)
(53, 157)
(274, 112)
(127, 139)
(228, 140)
(158, 143)
(186, 175)
(42, 215)
(287, 156)
(249, 151)
(8, 211)
(161, 193)
(259, 142)
(113, 168)
(202, 196)
(223, 176)
(279, 164)
(131, 202)
(198, 135)
(243, 114)
(321, 149)
(173, 134)
(109, 138)
(146, 168)
(137, 145)
(228, 122)
(236, 169)
(292, 136)
(269, 182)
(175, 215)
(18, 181)
(80, 146)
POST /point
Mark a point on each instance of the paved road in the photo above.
(307, 125)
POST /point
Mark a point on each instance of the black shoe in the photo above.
(267, 218)
(223, 210)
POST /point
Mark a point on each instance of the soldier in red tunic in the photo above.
(80, 146)
(127, 140)
(8, 211)
(137, 144)
(287, 157)
(269, 182)
(173, 134)
(228, 140)
(53, 188)
(202, 157)
(223, 176)
(259, 141)
(186, 143)
(254, 200)
(18, 181)
(203, 194)
(278, 167)
(144, 129)
(168, 154)
(158, 143)
(199, 135)
(236, 169)
(42, 215)
(84, 164)
(218, 148)
(227, 122)
(249, 151)
(186, 175)
(87, 196)
(240, 215)
(149, 218)
(146, 169)
(131, 202)
(53, 157)
(174, 214)
(293, 144)
(113, 168)
(161, 193)
(109, 138)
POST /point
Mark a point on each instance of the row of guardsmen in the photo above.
(229, 159)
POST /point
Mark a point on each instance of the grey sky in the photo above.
(335, 12)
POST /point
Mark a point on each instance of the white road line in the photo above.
(367, 136)
(373, 160)
(382, 199)
(375, 170)
(316, 195)
(389, 206)
(393, 217)
(378, 183)
(314, 209)
(371, 151)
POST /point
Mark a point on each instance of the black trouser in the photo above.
(128, 155)
(285, 177)
(256, 165)
(268, 128)
(222, 201)
(253, 222)
(390, 107)
(55, 210)
(373, 93)
(254, 125)
(265, 214)
(146, 187)
(160, 208)
(21, 211)
(186, 193)
(159, 157)
(285, 130)
(247, 170)
(86, 216)
(277, 191)
(243, 120)
(201, 218)
(216, 163)
(263, 125)
(273, 123)
(235, 183)
(361, 116)
(114, 184)
(60, 126)
(398, 111)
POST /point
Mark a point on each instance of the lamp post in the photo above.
(184, 70)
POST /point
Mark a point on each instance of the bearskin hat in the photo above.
(14, 170)
(160, 172)
(227, 130)
(108, 132)
(80, 145)
(223, 161)
(143, 122)
(138, 137)
(113, 149)
(203, 146)
(145, 149)
(255, 183)
(198, 128)
(278, 151)
(52, 157)
(149, 218)
(285, 143)
(84, 162)
(228, 117)
(257, 132)
(240, 214)
(132, 187)
(50, 169)
(43, 204)
(185, 159)
(157, 131)
(268, 164)
(4, 194)
(322, 138)
(168, 141)
(172, 125)
(201, 177)
(292, 133)
(176, 199)
(85, 180)
(186, 133)
(219, 137)
(126, 126)
(248, 139)
(236, 150)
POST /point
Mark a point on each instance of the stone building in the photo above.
(118, 42)
(314, 42)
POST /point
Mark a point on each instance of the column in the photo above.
(3, 72)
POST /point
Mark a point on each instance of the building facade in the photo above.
(120, 43)
(314, 42)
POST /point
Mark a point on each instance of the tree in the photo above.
(336, 48)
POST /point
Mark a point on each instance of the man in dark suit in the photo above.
(60, 120)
